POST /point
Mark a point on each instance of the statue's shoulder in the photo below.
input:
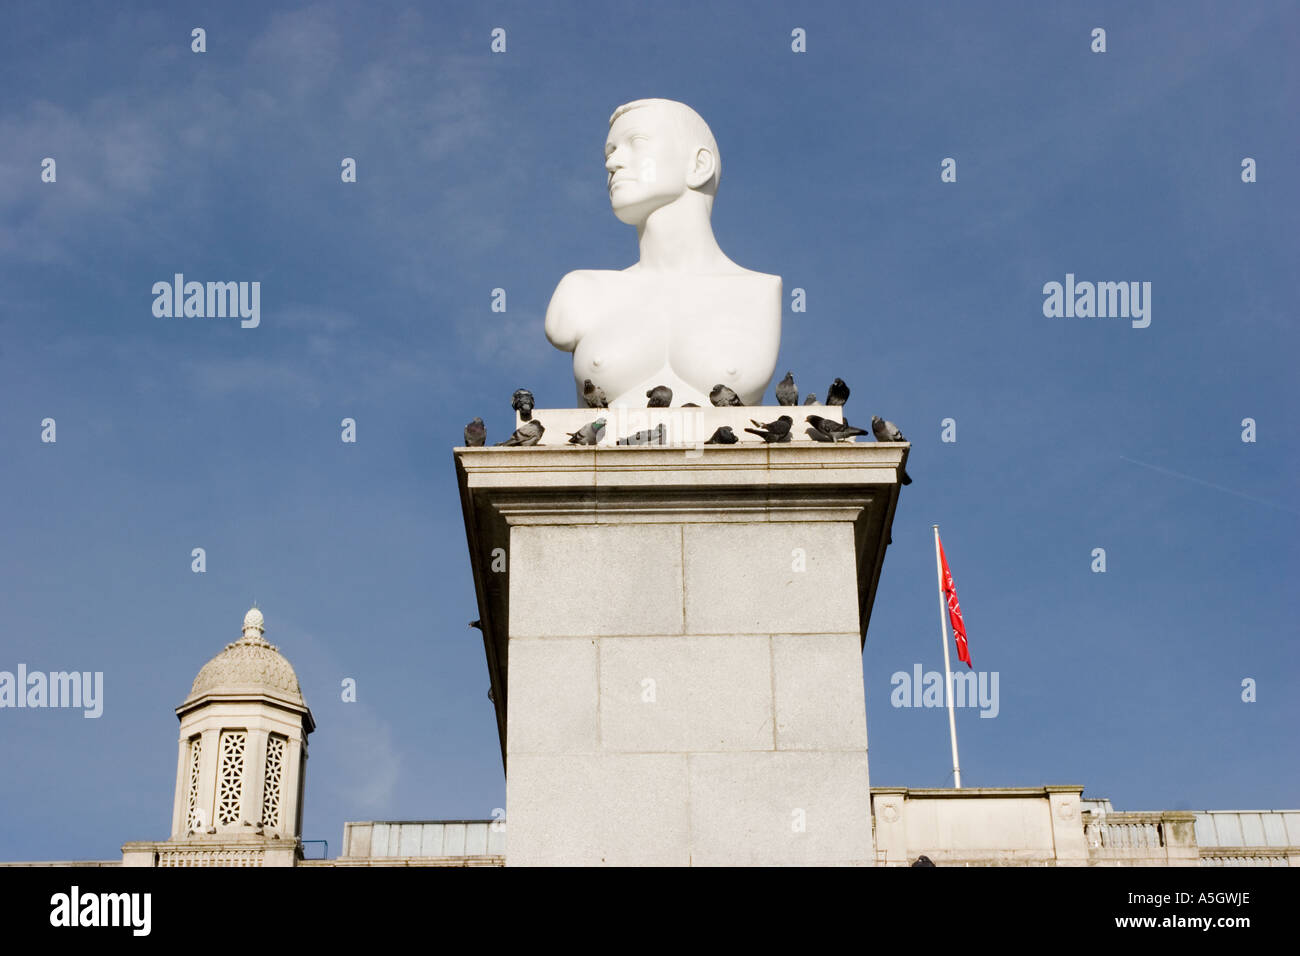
(765, 278)
(590, 275)
(570, 313)
(761, 284)
(579, 286)
(575, 282)
(750, 276)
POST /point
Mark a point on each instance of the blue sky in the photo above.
(478, 171)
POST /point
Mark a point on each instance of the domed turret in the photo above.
(243, 752)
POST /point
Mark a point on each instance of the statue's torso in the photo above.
(636, 329)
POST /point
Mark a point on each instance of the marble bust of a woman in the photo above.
(684, 315)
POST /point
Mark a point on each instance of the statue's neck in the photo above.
(679, 238)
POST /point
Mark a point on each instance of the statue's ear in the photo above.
(703, 166)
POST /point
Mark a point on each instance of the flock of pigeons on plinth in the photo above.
(661, 396)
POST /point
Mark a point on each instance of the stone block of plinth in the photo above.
(674, 639)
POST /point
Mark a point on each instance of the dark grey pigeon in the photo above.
(816, 435)
(721, 396)
(522, 402)
(834, 430)
(786, 392)
(777, 431)
(885, 431)
(811, 399)
(475, 433)
(661, 396)
(723, 436)
(525, 435)
(594, 395)
(888, 431)
(649, 436)
(838, 393)
(588, 434)
(690, 405)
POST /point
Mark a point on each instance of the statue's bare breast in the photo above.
(633, 330)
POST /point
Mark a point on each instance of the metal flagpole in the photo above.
(947, 669)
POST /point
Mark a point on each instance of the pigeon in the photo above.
(885, 431)
(923, 860)
(723, 436)
(660, 396)
(690, 405)
(786, 393)
(834, 430)
(811, 399)
(816, 435)
(888, 431)
(649, 436)
(594, 395)
(588, 434)
(526, 434)
(721, 396)
(475, 433)
(838, 393)
(522, 402)
(777, 431)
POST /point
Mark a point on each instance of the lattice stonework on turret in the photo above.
(192, 813)
(272, 780)
(230, 777)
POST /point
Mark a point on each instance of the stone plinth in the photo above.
(674, 638)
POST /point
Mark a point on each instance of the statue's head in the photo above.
(657, 152)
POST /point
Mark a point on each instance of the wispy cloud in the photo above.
(143, 161)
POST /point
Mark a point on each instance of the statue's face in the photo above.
(647, 163)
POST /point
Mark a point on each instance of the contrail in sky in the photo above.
(1210, 484)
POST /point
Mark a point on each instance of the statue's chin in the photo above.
(637, 213)
(633, 214)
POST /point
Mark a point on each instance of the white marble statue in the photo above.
(684, 315)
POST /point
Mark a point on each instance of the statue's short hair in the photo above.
(692, 127)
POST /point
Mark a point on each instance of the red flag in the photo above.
(954, 611)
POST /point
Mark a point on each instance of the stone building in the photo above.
(241, 763)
